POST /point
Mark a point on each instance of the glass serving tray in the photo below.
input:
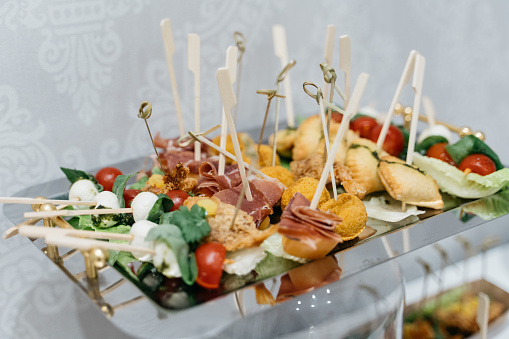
(339, 303)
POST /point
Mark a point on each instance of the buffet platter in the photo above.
(236, 309)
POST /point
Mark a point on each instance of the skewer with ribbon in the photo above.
(144, 113)
(270, 93)
(328, 51)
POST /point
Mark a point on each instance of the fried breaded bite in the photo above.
(280, 173)
(409, 184)
(265, 156)
(285, 141)
(307, 186)
(351, 209)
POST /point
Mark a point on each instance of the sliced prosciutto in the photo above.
(265, 194)
(302, 223)
(210, 182)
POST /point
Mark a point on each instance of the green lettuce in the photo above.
(453, 181)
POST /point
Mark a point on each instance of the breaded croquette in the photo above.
(265, 156)
(280, 173)
(307, 186)
(351, 209)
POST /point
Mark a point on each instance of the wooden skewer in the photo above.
(328, 51)
(327, 147)
(35, 201)
(405, 79)
(229, 155)
(350, 112)
(193, 60)
(72, 213)
(429, 109)
(281, 51)
(169, 47)
(418, 78)
(228, 98)
(482, 316)
(69, 238)
(231, 64)
(345, 63)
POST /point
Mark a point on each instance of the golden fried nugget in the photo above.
(265, 156)
(363, 163)
(246, 146)
(351, 209)
(280, 173)
(285, 141)
(307, 186)
(409, 184)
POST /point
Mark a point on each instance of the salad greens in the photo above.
(471, 145)
(119, 187)
(162, 205)
(74, 175)
(423, 146)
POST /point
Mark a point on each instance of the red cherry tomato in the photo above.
(438, 151)
(363, 126)
(394, 141)
(210, 259)
(106, 177)
(178, 197)
(129, 195)
(335, 116)
(478, 163)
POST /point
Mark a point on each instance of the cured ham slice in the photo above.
(210, 182)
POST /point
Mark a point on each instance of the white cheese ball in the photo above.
(142, 204)
(166, 262)
(83, 189)
(435, 130)
(139, 231)
(244, 260)
(106, 199)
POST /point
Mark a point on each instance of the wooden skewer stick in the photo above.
(350, 112)
(281, 51)
(169, 47)
(429, 109)
(482, 316)
(193, 60)
(228, 98)
(405, 79)
(68, 238)
(240, 42)
(231, 64)
(34, 201)
(328, 51)
(345, 63)
(228, 154)
(72, 213)
(417, 81)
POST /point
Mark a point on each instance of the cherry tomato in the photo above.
(210, 259)
(438, 151)
(394, 141)
(129, 195)
(478, 163)
(335, 116)
(106, 177)
(363, 126)
(178, 197)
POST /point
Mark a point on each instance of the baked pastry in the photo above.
(409, 184)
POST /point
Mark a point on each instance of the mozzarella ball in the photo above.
(142, 204)
(83, 189)
(166, 262)
(435, 130)
(139, 231)
(107, 199)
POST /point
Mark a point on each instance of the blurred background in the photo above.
(73, 74)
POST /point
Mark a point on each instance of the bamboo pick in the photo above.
(72, 213)
(482, 316)
(228, 98)
(429, 109)
(328, 51)
(405, 79)
(60, 237)
(231, 64)
(41, 232)
(34, 201)
(345, 63)
(193, 61)
(240, 42)
(228, 154)
(281, 51)
(270, 93)
(327, 147)
(350, 112)
(169, 48)
(418, 78)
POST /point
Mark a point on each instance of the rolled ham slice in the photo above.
(210, 182)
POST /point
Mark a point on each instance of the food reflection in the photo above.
(301, 280)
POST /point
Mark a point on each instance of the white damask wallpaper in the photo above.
(73, 74)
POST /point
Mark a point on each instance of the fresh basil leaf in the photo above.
(406, 136)
(192, 223)
(172, 237)
(166, 218)
(74, 175)
(423, 146)
(123, 259)
(119, 186)
(471, 145)
(138, 185)
(162, 205)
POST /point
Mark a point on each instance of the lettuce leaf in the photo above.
(490, 207)
(452, 180)
(471, 145)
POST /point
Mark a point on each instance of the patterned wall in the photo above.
(73, 73)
